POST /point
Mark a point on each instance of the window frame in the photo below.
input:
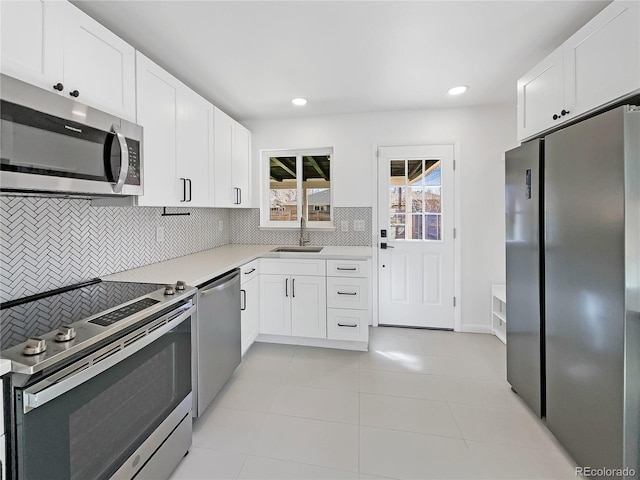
(265, 196)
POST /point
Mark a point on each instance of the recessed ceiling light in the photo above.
(299, 101)
(458, 90)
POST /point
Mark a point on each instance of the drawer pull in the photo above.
(347, 293)
(250, 271)
(351, 269)
(352, 325)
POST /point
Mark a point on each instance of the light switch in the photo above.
(159, 234)
(220, 226)
(358, 225)
(344, 225)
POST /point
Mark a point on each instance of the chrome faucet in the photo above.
(303, 225)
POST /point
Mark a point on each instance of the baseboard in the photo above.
(476, 329)
(314, 342)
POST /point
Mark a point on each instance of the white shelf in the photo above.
(499, 312)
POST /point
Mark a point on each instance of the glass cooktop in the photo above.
(37, 315)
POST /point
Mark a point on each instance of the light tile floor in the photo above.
(420, 404)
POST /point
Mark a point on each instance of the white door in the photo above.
(415, 208)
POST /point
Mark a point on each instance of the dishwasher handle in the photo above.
(221, 283)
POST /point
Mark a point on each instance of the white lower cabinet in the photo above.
(249, 304)
(348, 300)
(293, 305)
(343, 324)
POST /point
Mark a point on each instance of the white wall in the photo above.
(481, 135)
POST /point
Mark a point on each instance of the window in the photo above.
(298, 185)
(415, 200)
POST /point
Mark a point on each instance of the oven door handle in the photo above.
(45, 391)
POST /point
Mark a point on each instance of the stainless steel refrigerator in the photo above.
(573, 285)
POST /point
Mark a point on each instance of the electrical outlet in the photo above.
(220, 226)
(344, 225)
(358, 225)
(159, 234)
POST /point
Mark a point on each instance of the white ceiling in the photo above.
(251, 57)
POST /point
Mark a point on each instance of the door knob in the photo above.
(58, 86)
(75, 93)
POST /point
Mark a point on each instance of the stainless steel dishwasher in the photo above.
(216, 337)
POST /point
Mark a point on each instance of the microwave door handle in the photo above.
(124, 159)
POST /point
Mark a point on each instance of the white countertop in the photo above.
(198, 268)
(5, 366)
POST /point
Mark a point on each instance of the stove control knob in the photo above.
(34, 346)
(180, 285)
(169, 290)
(65, 333)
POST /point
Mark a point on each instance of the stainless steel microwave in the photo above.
(52, 144)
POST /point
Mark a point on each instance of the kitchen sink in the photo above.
(295, 249)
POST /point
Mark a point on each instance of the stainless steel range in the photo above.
(101, 381)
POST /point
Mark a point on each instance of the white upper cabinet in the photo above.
(240, 164)
(55, 46)
(157, 97)
(177, 141)
(195, 147)
(596, 66)
(540, 93)
(602, 60)
(232, 157)
(31, 51)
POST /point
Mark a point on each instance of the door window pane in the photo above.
(415, 199)
(433, 201)
(283, 199)
(434, 230)
(432, 174)
(397, 227)
(316, 187)
(397, 199)
(415, 172)
(415, 227)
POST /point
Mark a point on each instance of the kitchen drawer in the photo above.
(249, 271)
(297, 266)
(345, 324)
(347, 268)
(348, 293)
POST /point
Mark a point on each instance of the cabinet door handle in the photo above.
(286, 287)
(75, 93)
(243, 306)
(58, 86)
(564, 112)
(351, 269)
(347, 293)
(190, 190)
(293, 288)
(240, 196)
(350, 325)
(184, 189)
(250, 271)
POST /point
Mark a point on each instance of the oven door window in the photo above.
(91, 430)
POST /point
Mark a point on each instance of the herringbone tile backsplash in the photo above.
(245, 228)
(47, 243)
